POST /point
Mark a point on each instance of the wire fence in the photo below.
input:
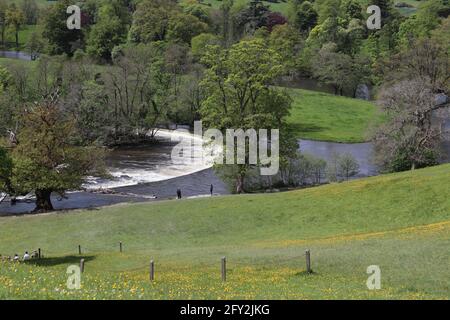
(83, 253)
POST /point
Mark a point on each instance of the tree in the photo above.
(411, 137)
(60, 38)
(306, 17)
(427, 60)
(253, 17)
(339, 70)
(226, 21)
(183, 27)
(199, 43)
(351, 9)
(46, 161)
(30, 10)
(139, 87)
(287, 42)
(421, 24)
(109, 31)
(151, 20)
(3, 24)
(332, 67)
(15, 18)
(5, 78)
(275, 19)
(327, 9)
(6, 167)
(347, 166)
(92, 114)
(192, 7)
(35, 45)
(237, 86)
(441, 34)
(386, 8)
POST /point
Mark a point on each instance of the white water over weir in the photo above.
(137, 165)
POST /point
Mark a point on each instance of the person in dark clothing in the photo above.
(211, 190)
(179, 193)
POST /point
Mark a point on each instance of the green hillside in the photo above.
(399, 222)
(322, 116)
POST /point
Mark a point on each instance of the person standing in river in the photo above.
(179, 193)
(211, 190)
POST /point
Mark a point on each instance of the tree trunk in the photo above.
(240, 184)
(43, 201)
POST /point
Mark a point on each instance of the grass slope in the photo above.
(399, 222)
(282, 6)
(322, 116)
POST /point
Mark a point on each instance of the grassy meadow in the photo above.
(321, 116)
(400, 222)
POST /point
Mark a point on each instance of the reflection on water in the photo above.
(362, 152)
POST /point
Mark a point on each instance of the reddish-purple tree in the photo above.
(275, 18)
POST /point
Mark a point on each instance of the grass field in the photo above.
(322, 116)
(400, 222)
(282, 6)
(409, 11)
(40, 3)
(24, 35)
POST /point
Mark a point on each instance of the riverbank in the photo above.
(192, 185)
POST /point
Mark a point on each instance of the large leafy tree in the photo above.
(339, 70)
(45, 160)
(30, 10)
(255, 16)
(15, 18)
(183, 27)
(237, 85)
(109, 31)
(151, 20)
(60, 38)
(288, 44)
(305, 17)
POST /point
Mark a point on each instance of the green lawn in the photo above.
(322, 116)
(409, 11)
(282, 6)
(40, 3)
(400, 222)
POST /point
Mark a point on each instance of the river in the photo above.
(15, 55)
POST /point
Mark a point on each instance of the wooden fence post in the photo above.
(82, 265)
(224, 269)
(79, 250)
(308, 260)
(152, 270)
